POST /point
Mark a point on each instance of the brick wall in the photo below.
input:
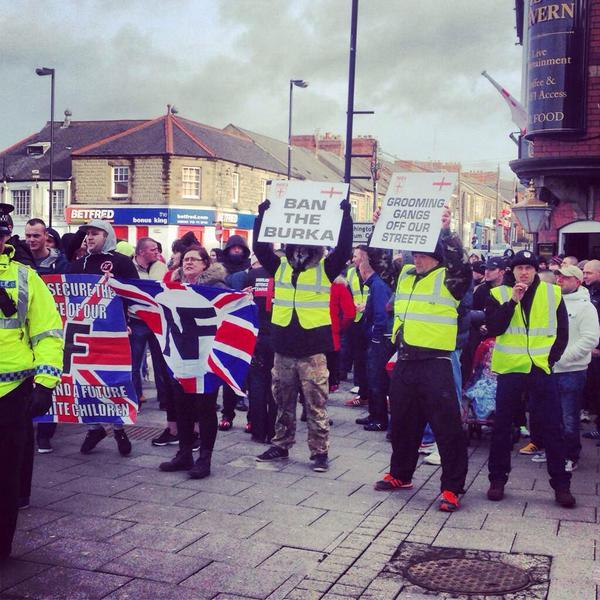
(148, 181)
(92, 180)
(563, 214)
(583, 146)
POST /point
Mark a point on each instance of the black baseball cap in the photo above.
(495, 262)
(5, 218)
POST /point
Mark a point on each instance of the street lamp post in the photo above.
(301, 84)
(44, 72)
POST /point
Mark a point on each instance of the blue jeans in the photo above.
(570, 391)
(544, 404)
(428, 437)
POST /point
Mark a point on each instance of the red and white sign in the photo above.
(304, 212)
(411, 215)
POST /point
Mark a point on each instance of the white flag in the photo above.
(518, 112)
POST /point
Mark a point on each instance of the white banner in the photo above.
(303, 212)
(411, 215)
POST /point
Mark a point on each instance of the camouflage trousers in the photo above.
(309, 374)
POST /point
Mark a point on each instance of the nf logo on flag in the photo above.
(96, 383)
(207, 334)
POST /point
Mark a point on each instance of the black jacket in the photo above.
(119, 265)
(594, 290)
(458, 280)
(498, 317)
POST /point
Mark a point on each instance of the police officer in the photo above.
(30, 367)
(422, 389)
(531, 326)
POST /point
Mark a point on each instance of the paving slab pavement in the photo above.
(106, 526)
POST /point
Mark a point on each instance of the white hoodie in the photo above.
(584, 332)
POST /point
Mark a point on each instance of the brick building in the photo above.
(560, 154)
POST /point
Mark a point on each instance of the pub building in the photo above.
(559, 154)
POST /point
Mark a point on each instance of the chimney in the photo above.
(305, 141)
(332, 143)
(67, 121)
(363, 145)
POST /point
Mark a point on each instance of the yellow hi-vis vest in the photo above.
(359, 296)
(310, 297)
(426, 310)
(31, 340)
(523, 345)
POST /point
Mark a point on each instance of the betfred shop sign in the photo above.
(130, 215)
(74, 214)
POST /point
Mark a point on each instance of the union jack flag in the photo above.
(207, 334)
(96, 384)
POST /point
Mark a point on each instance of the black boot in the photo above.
(182, 461)
(201, 468)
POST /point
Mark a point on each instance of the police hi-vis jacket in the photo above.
(32, 339)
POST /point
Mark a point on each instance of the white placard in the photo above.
(411, 215)
(303, 212)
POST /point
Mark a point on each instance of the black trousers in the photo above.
(591, 392)
(263, 409)
(423, 391)
(16, 433)
(359, 343)
(545, 412)
(196, 408)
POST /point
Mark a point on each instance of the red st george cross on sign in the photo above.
(441, 184)
(331, 192)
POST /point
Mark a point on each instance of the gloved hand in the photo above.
(346, 206)
(263, 206)
(42, 400)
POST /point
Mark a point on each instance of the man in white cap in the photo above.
(571, 370)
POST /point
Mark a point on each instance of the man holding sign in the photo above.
(422, 389)
(301, 321)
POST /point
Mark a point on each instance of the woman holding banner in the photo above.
(196, 268)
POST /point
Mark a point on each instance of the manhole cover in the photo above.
(467, 576)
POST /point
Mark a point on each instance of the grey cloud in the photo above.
(416, 62)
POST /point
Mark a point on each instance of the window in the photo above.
(21, 200)
(235, 182)
(190, 177)
(120, 181)
(58, 204)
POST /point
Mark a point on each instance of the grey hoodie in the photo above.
(110, 243)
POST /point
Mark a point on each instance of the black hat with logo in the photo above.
(6, 221)
(524, 257)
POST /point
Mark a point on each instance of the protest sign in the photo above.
(96, 383)
(361, 233)
(303, 212)
(411, 214)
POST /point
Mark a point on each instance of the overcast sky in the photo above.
(222, 61)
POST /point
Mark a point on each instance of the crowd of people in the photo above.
(433, 340)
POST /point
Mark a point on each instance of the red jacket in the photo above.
(342, 310)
